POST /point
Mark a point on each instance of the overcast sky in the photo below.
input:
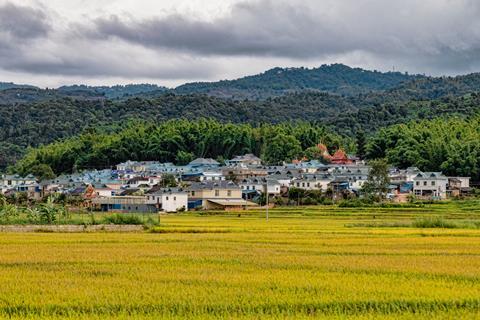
(169, 42)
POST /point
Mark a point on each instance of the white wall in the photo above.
(173, 202)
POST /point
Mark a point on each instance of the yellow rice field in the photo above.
(303, 263)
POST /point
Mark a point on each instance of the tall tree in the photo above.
(361, 142)
(378, 180)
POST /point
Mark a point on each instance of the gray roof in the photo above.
(204, 161)
(246, 157)
(430, 176)
(213, 185)
(161, 191)
(260, 180)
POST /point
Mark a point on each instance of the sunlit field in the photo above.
(317, 262)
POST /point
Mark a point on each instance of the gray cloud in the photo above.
(74, 59)
(430, 30)
(23, 22)
(33, 40)
(260, 28)
(431, 36)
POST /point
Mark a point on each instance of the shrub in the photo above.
(327, 202)
(8, 212)
(434, 223)
(309, 201)
(122, 219)
(355, 203)
(33, 215)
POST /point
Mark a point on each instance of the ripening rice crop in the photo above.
(297, 265)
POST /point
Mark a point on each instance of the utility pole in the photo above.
(266, 194)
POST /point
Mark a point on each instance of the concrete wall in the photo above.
(71, 228)
(175, 202)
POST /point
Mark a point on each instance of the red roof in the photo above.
(340, 157)
(324, 150)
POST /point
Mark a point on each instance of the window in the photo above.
(418, 183)
(433, 183)
(424, 183)
(229, 193)
(174, 198)
(298, 184)
(308, 184)
(217, 193)
(166, 198)
(193, 193)
(253, 187)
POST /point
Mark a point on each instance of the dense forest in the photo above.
(33, 124)
(178, 141)
(343, 99)
(113, 92)
(448, 145)
(11, 85)
(336, 78)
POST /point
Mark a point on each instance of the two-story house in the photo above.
(168, 199)
(432, 185)
(216, 195)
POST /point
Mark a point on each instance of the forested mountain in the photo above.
(336, 78)
(20, 94)
(32, 124)
(425, 89)
(31, 116)
(367, 86)
(14, 96)
(11, 85)
(114, 92)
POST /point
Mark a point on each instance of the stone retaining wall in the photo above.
(72, 228)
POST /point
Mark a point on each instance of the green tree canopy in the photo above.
(281, 148)
(378, 180)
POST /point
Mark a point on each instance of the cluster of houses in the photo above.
(137, 186)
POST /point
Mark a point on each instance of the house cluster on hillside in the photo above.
(140, 186)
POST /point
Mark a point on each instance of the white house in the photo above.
(102, 190)
(212, 176)
(10, 181)
(430, 185)
(272, 186)
(168, 200)
(252, 184)
(461, 182)
(312, 182)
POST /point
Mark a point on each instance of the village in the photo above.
(240, 183)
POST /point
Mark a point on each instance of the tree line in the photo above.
(449, 145)
(32, 124)
(178, 141)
